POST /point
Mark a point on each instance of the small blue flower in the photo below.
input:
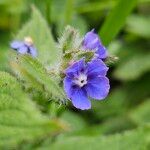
(24, 47)
(92, 42)
(84, 80)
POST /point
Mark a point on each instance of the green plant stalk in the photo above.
(116, 20)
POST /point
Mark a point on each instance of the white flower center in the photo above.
(81, 80)
(28, 41)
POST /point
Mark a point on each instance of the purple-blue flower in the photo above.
(86, 80)
(24, 47)
(92, 41)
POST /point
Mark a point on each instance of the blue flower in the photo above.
(92, 42)
(24, 47)
(86, 80)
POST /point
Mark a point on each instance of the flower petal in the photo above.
(96, 68)
(33, 51)
(80, 99)
(98, 88)
(76, 68)
(16, 44)
(102, 52)
(91, 40)
(68, 86)
(23, 49)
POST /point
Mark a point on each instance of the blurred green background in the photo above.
(124, 28)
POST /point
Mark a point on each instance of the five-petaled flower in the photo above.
(86, 80)
(24, 47)
(92, 41)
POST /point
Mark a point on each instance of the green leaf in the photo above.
(132, 140)
(74, 121)
(115, 103)
(3, 58)
(133, 67)
(67, 16)
(37, 28)
(110, 126)
(139, 25)
(44, 7)
(141, 114)
(33, 71)
(115, 20)
(78, 22)
(95, 6)
(20, 120)
(90, 7)
(66, 9)
(139, 88)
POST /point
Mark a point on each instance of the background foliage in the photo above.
(29, 119)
